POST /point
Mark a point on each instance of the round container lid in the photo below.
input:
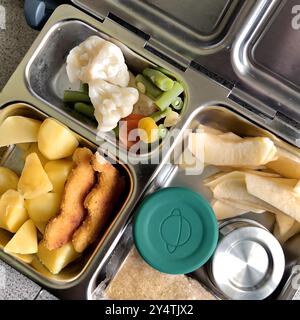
(248, 264)
(175, 230)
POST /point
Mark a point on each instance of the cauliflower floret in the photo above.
(144, 106)
(96, 58)
(111, 103)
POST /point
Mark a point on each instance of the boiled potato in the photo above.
(58, 172)
(43, 207)
(27, 258)
(33, 148)
(18, 129)
(8, 180)
(41, 226)
(12, 211)
(55, 141)
(56, 260)
(34, 180)
(24, 241)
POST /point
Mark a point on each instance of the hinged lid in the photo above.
(185, 27)
(266, 59)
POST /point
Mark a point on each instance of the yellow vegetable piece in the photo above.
(27, 258)
(24, 241)
(148, 130)
(33, 148)
(55, 141)
(34, 180)
(41, 226)
(8, 180)
(43, 207)
(12, 211)
(58, 172)
(56, 260)
(18, 129)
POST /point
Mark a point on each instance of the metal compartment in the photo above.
(218, 117)
(265, 57)
(11, 157)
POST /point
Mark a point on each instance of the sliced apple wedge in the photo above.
(277, 192)
(221, 151)
(223, 210)
(34, 180)
(18, 129)
(24, 241)
(287, 164)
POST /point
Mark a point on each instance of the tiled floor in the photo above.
(15, 38)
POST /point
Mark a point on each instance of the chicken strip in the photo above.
(100, 203)
(60, 229)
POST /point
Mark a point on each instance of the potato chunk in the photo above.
(55, 260)
(58, 172)
(12, 211)
(24, 241)
(18, 129)
(34, 180)
(55, 141)
(8, 180)
(43, 207)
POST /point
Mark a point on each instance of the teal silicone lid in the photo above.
(175, 230)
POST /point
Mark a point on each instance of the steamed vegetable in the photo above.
(157, 116)
(163, 82)
(145, 86)
(168, 97)
(86, 109)
(76, 96)
(18, 129)
(148, 130)
(127, 125)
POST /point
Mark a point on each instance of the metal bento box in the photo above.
(219, 57)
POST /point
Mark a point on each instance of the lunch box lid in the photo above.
(266, 59)
(175, 230)
(186, 27)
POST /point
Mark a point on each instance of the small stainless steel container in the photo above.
(248, 263)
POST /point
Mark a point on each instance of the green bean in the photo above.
(162, 131)
(86, 109)
(169, 96)
(84, 87)
(150, 89)
(156, 116)
(76, 96)
(177, 104)
(159, 79)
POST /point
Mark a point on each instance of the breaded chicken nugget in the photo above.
(60, 229)
(100, 203)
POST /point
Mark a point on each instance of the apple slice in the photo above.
(34, 180)
(18, 129)
(287, 164)
(223, 210)
(277, 192)
(220, 151)
(24, 241)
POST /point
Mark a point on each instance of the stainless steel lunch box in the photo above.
(167, 34)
